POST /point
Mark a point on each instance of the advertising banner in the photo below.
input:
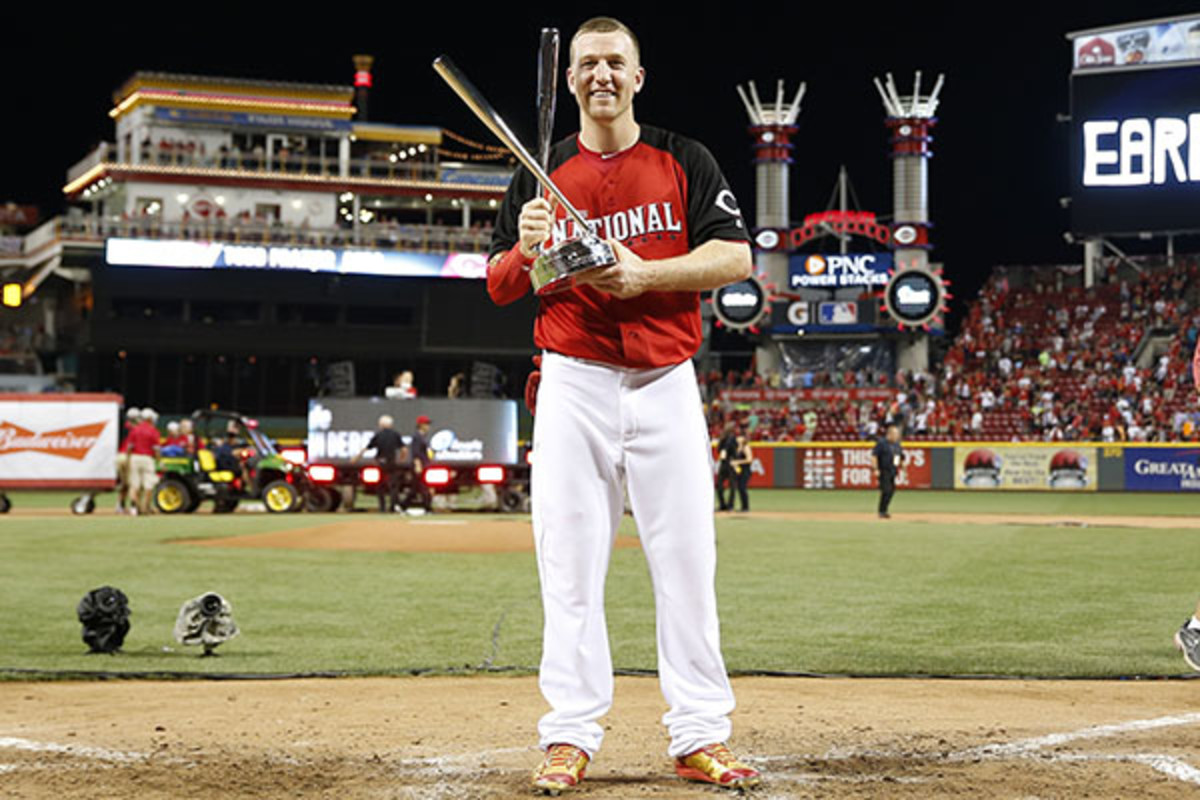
(830, 271)
(854, 468)
(784, 395)
(762, 470)
(245, 119)
(462, 430)
(1155, 469)
(1139, 45)
(180, 254)
(58, 441)
(1025, 468)
(843, 312)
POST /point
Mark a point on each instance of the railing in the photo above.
(384, 236)
(99, 155)
(382, 167)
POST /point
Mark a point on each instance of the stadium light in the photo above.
(371, 475)
(490, 474)
(437, 476)
(322, 473)
(13, 295)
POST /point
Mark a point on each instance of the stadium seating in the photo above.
(1035, 359)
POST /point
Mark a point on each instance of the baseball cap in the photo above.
(424, 420)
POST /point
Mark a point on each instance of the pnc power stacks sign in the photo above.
(58, 441)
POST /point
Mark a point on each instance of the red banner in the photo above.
(762, 471)
(854, 468)
(784, 395)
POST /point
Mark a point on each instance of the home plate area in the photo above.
(474, 736)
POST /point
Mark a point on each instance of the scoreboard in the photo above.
(1135, 130)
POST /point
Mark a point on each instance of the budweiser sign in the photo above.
(74, 442)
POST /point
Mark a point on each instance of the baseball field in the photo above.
(991, 645)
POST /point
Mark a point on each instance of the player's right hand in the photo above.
(534, 225)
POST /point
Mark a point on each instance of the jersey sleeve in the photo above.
(520, 191)
(712, 211)
(507, 274)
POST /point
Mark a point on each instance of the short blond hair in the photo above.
(606, 25)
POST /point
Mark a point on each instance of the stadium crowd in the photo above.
(1034, 360)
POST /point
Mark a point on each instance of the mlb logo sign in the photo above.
(842, 313)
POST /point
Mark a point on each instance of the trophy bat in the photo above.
(547, 93)
(556, 268)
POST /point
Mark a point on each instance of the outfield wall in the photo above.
(983, 466)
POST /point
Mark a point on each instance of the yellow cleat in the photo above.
(715, 764)
(561, 770)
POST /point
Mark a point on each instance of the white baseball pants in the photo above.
(596, 426)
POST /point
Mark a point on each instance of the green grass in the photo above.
(839, 597)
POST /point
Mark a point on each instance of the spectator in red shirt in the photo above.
(143, 444)
(132, 417)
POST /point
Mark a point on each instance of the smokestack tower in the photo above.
(362, 84)
(772, 127)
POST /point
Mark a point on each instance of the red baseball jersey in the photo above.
(662, 197)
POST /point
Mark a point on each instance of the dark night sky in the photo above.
(1000, 161)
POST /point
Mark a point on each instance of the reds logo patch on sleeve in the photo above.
(728, 203)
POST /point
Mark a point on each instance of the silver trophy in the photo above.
(556, 268)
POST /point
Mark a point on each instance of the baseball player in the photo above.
(1187, 638)
(618, 405)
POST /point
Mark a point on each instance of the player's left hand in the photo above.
(629, 277)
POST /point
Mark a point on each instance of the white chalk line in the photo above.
(1170, 766)
(82, 751)
(1024, 746)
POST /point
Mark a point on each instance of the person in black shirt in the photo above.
(726, 474)
(387, 445)
(742, 463)
(888, 456)
(422, 454)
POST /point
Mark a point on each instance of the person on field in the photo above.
(132, 417)
(742, 463)
(388, 446)
(1187, 638)
(888, 457)
(727, 448)
(143, 443)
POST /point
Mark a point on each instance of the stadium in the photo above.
(269, 516)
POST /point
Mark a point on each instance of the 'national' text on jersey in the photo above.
(625, 224)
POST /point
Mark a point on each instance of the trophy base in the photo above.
(556, 269)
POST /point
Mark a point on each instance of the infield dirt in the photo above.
(474, 737)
